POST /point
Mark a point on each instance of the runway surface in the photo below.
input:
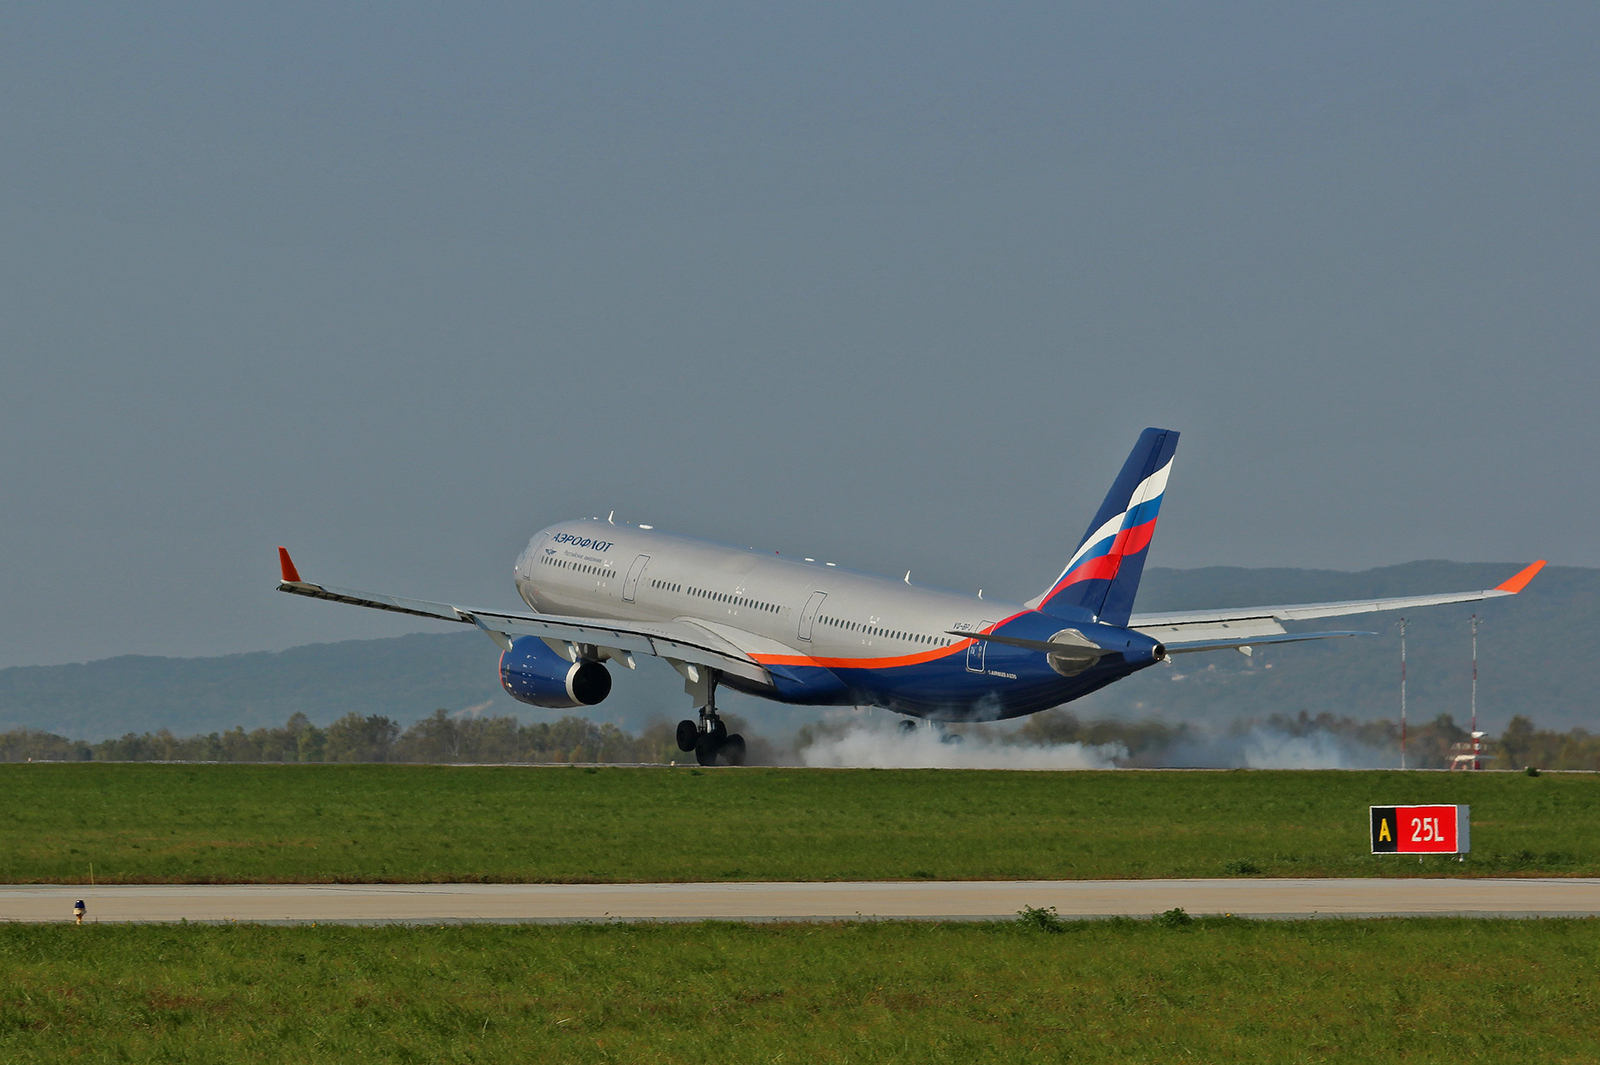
(944, 900)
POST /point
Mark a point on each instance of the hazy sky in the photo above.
(891, 284)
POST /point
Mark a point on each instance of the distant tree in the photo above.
(238, 747)
(494, 739)
(573, 739)
(1516, 743)
(435, 738)
(354, 738)
(311, 744)
(659, 742)
(32, 745)
(1380, 734)
(1522, 745)
(1433, 745)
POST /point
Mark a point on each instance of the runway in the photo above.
(919, 901)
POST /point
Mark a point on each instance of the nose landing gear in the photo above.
(708, 738)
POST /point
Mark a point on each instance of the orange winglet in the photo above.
(1520, 581)
(292, 575)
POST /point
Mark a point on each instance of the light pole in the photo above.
(1477, 737)
(1402, 693)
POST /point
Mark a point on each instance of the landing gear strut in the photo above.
(709, 737)
(910, 728)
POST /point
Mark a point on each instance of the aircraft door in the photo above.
(809, 615)
(975, 652)
(630, 587)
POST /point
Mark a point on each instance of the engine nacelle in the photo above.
(532, 673)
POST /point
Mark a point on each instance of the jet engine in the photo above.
(532, 673)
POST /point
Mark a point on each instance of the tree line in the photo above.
(440, 737)
(1429, 744)
(446, 738)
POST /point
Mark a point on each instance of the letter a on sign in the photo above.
(1383, 823)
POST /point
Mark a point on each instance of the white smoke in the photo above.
(862, 746)
(861, 738)
(1264, 747)
(850, 737)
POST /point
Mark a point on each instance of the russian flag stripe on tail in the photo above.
(1103, 574)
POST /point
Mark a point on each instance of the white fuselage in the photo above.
(597, 569)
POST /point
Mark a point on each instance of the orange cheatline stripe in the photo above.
(863, 663)
(959, 647)
(1520, 581)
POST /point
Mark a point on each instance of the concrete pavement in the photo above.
(921, 900)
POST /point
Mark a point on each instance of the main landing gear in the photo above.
(910, 728)
(708, 738)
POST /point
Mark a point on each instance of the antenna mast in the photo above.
(1477, 737)
(1402, 693)
(1474, 674)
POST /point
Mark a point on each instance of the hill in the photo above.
(1532, 650)
(405, 677)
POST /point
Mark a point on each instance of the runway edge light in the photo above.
(1421, 829)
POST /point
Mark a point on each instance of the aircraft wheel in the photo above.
(688, 735)
(705, 752)
(719, 731)
(952, 737)
(733, 750)
(908, 726)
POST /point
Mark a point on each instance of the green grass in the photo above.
(243, 823)
(1216, 990)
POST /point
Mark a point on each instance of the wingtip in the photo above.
(290, 574)
(1520, 581)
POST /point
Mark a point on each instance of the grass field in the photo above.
(1216, 990)
(243, 823)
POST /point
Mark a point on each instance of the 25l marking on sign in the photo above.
(1421, 829)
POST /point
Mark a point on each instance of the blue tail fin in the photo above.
(1104, 572)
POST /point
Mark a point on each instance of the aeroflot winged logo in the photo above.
(583, 542)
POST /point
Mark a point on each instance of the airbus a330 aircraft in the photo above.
(814, 634)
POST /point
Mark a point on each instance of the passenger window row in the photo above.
(892, 634)
(717, 597)
(735, 600)
(578, 567)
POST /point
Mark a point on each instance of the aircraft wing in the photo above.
(679, 641)
(1209, 630)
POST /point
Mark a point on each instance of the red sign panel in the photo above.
(1420, 830)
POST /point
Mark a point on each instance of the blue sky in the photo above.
(891, 284)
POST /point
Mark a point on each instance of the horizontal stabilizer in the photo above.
(1256, 641)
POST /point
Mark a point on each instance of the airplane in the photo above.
(814, 634)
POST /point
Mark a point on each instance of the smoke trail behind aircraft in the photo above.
(864, 746)
(862, 740)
